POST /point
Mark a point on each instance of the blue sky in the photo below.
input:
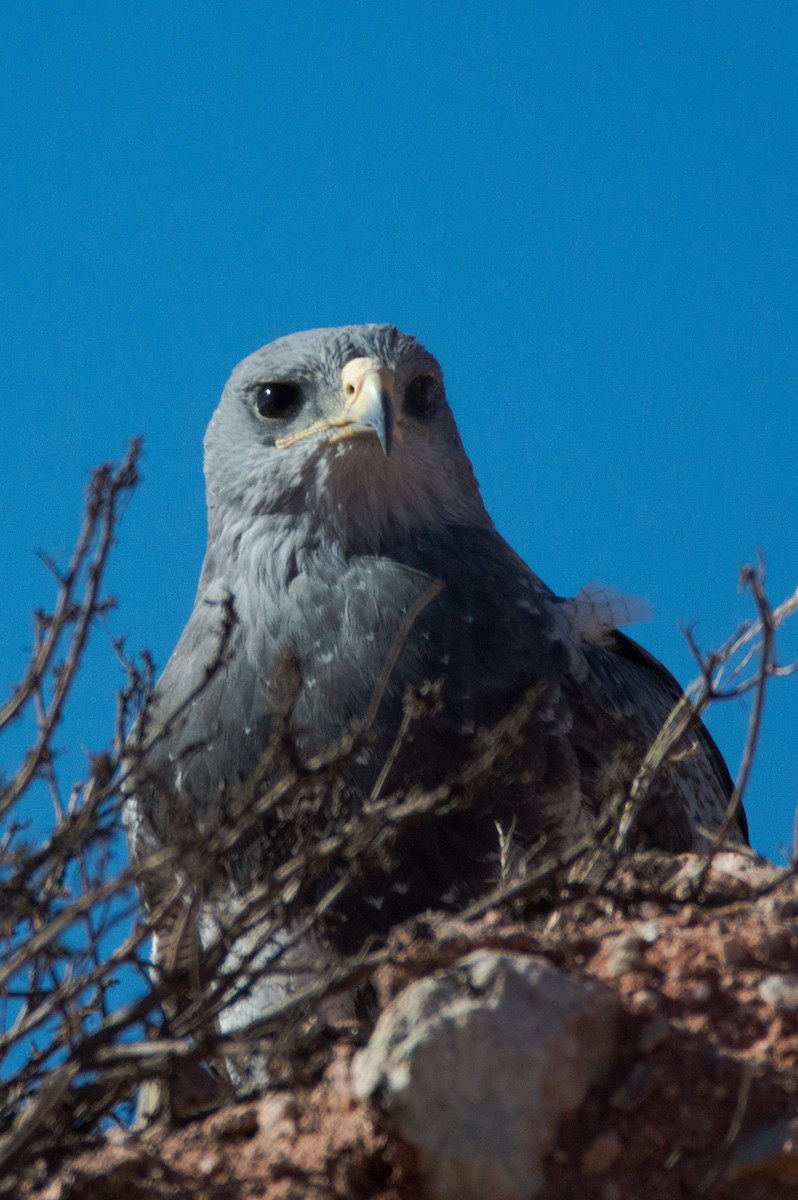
(586, 211)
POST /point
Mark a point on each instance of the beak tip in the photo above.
(368, 388)
(385, 432)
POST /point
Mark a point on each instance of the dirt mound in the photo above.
(700, 1099)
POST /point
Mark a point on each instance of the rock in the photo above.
(746, 866)
(780, 992)
(277, 1114)
(238, 1122)
(732, 950)
(643, 1002)
(475, 1067)
(626, 954)
(730, 868)
(208, 1164)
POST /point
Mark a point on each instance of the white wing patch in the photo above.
(596, 610)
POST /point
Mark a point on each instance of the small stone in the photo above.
(647, 931)
(276, 1114)
(642, 1002)
(746, 867)
(732, 950)
(701, 991)
(40, 1171)
(338, 1079)
(780, 992)
(122, 1137)
(208, 1164)
(602, 1153)
(730, 869)
(626, 954)
(234, 1122)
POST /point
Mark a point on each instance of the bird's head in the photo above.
(349, 428)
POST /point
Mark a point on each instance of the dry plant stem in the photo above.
(105, 491)
(683, 718)
(70, 989)
(733, 1133)
(753, 579)
(412, 615)
(64, 613)
(705, 690)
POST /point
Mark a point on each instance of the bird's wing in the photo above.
(494, 636)
(613, 696)
(627, 697)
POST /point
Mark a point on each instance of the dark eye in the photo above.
(420, 395)
(277, 398)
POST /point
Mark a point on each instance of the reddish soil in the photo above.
(701, 1100)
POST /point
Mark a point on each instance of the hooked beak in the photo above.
(368, 388)
(368, 408)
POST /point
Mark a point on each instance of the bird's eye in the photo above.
(277, 398)
(420, 395)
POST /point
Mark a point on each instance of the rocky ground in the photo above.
(692, 1092)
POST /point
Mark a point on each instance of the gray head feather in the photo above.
(354, 491)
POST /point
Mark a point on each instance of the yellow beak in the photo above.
(368, 407)
(368, 388)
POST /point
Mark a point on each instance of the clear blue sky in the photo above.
(587, 211)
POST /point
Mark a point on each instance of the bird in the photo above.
(382, 640)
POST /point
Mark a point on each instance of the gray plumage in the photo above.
(335, 500)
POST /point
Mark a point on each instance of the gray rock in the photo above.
(780, 992)
(476, 1066)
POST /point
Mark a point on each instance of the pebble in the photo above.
(732, 950)
(276, 1114)
(780, 992)
(208, 1164)
(234, 1123)
(702, 991)
(626, 954)
(643, 1002)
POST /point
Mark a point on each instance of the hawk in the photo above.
(349, 537)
